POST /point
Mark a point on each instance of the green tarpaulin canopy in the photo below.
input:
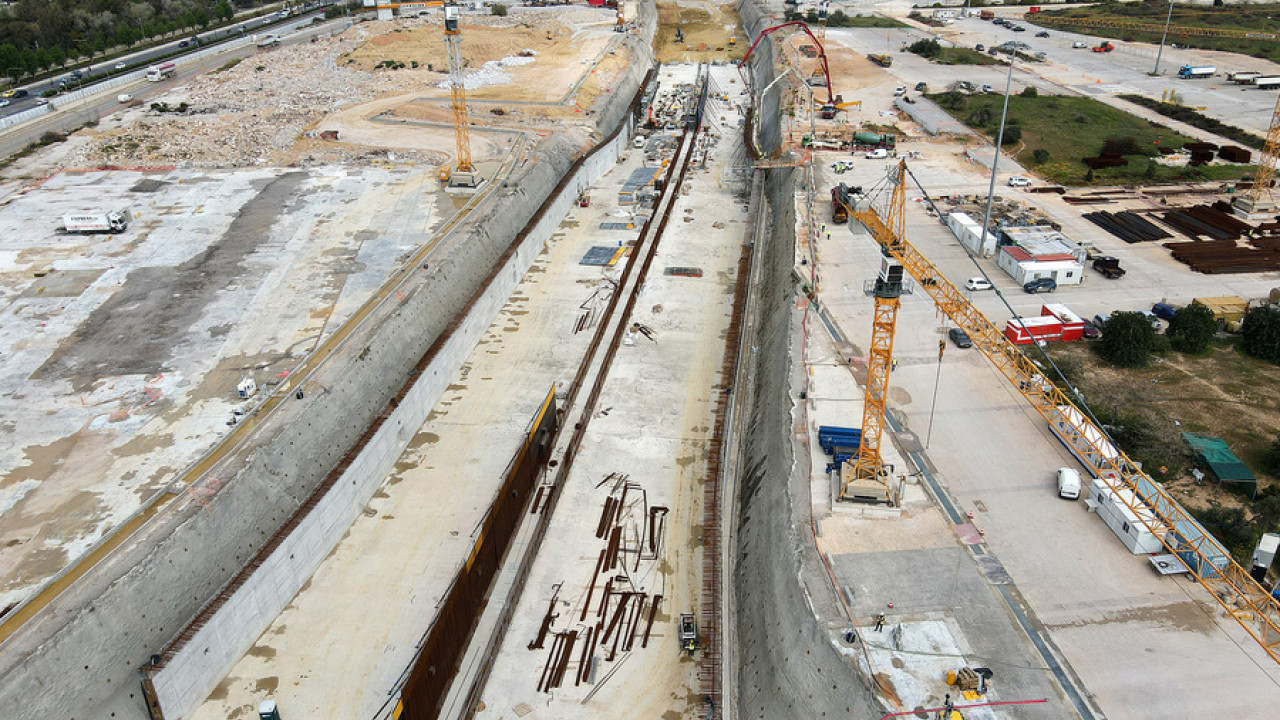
(1223, 463)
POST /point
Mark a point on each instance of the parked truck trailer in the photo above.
(116, 221)
(1196, 72)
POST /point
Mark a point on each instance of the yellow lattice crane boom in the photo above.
(1260, 195)
(464, 172)
(1156, 28)
(1209, 563)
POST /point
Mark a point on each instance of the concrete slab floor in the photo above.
(653, 425)
(1122, 628)
(121, 353)
(340, 646)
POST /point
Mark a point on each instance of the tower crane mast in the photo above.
(464, 173)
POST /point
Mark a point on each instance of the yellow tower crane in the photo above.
(864, 479)
(1242, 597)
(464, 173)
(1258, 199)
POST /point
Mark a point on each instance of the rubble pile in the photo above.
(250, 114)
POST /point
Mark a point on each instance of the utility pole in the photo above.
(1165, 34)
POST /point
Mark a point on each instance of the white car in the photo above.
(1068, 483)
(1019, 181)
(900, 91)
(987, 89)
(5, 102)
(978, 283)
(877, 154)
(120, 65)
(1079, 45)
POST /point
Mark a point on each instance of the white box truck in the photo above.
(116, 221)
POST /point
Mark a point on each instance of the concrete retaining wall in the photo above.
(778, 579)
(189, 677)
(81, 659)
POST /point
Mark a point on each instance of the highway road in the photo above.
(171, 51)
(75, 114)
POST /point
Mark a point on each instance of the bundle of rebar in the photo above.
(1127, 226)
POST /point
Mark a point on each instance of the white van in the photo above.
(877, 154)
(1068, 483)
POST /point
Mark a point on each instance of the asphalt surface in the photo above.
(142, 59)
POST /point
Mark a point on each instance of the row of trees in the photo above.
(37, 35)
(1128, 340)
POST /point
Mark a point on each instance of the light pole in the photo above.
(995, 160)
(1165, 34)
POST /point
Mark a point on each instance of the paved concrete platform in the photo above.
(1119, 627)
(121, 353)
(652, 424)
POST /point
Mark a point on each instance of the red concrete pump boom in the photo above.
(822, 53)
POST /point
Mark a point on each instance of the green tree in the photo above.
(498, 9)
(1261, 333)
(1040, 155)
(1012, 135)
(1030, 92)
(223, 10)
(1127, 339)
(926, 48)
(1191, 329)
(1271, 460)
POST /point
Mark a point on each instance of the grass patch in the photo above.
(1223, 393)
(963, 56)
(1055, 133)
(228, 65)
(839, 19)
(1257, 18)
(1195, 118)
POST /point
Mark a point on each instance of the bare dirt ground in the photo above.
(707, 28)
(1225, 394)
(272, 108)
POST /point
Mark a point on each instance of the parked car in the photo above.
(922, 87)
(1043, 33)
(1101, 320)
(1017, 28)
(1077, 45)
(960, 338)
(899, 91)
(978, 283)
(980, 47)
(877, 154)
(1019, 181)
(1164, 311)
(1040, 285)
(1091, 331)
(1068, 483)
(987, 89)
(1151, 318)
